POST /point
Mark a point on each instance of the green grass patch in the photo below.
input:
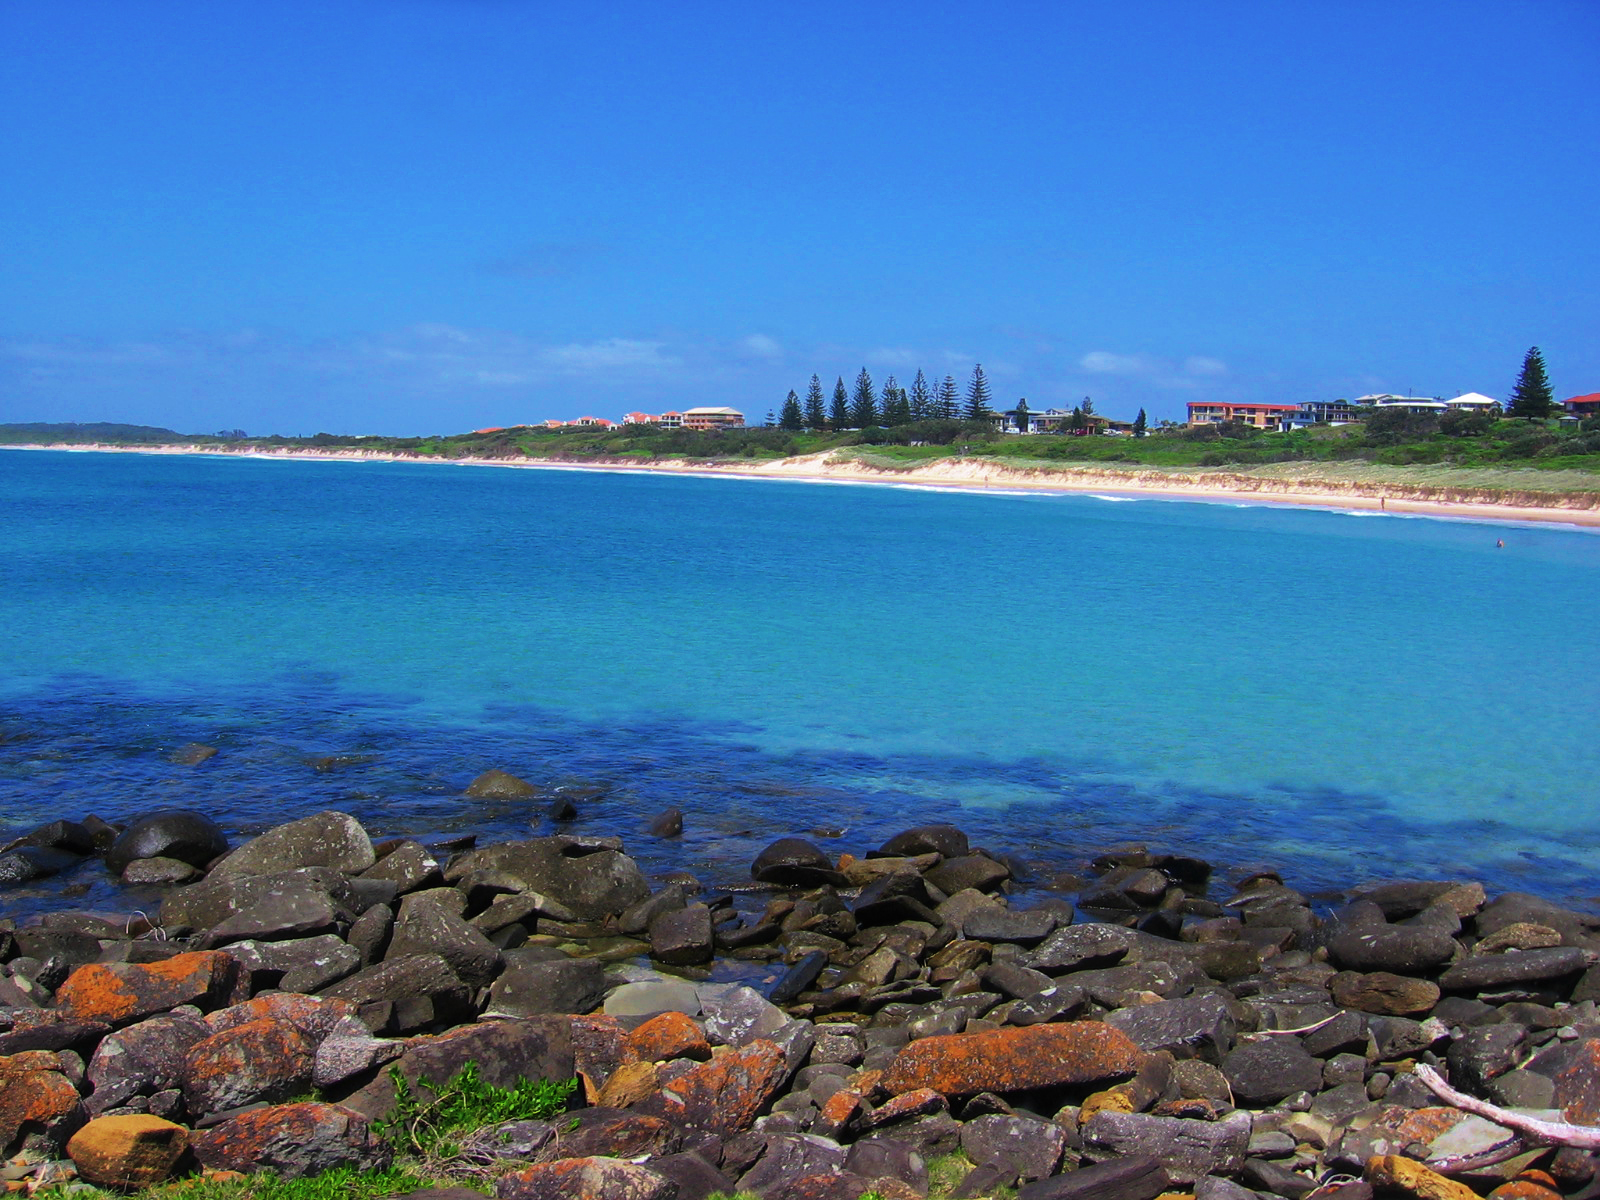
(431, 1126)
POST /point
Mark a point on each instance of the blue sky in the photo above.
(415, 216)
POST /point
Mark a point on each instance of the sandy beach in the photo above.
(1460, 503)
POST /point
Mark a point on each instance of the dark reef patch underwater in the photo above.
(304, 744)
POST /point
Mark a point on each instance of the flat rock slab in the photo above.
(1489, 971)
(294, 1140)
(1010, 1060)
(1188, 1149)
(1137, 1178)
(586, 1179)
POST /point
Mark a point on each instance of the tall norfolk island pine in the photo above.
(839, 413)
(1531, 397)
(864, 404)
(816, 414)
(793, 418)
(978, 406)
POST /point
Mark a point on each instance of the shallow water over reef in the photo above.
(1344, 698)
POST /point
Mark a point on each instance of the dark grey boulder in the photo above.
(1483, 1053)
(889, 1158)
(667, 824)
(695, 1177)
(789, 1157)
(532, 985)
(945, 840)
(400, 979)
(794, 862)
(369, 933)
(71, 836)
(1080, 946)
(798, 978)
(301, 965)
(1188, 1149)
(1266, 1071)
(159, 872)
(431, 928)
(299, 909)
(1026, 927)
(500, 785)
(325, 839)
(1202, 1026)
(682, 937)
(1490, 972)
(35, 862)
(977, 871)
(178, 833)
(409, 866)
(890, 899)
(141, 1060)
(590, 879)
(638, 917)
(1401, 949)
(1140, 1177)
(1027, 1147)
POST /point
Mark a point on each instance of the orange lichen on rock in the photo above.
(120, 993)
(1011, 1060)
(669, 1035)
(1524, 1189)
(723, 1096)
(260, 1060)
(129, 1151)
(1408, 1175)
(32, 1092)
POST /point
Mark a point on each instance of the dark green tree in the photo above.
(864, 403)
(839, 412)
(1088, 407)
(1079, 420)
(816, 414)
(1023, 418)
(979, 407)
(793, 418)
(1531, 397)
(949, 410)
(1141, 424)
(896, 405)
(921, 400)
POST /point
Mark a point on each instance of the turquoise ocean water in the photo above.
(1345, 696)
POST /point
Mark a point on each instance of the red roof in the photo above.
(1591, 398)
(1251, 407)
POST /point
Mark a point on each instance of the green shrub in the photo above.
(431, 1126)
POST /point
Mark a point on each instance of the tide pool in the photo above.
(1344, 698)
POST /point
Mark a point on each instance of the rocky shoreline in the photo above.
(915, 1021)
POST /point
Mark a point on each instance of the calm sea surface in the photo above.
(1346, 697)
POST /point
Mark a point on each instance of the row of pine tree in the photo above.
(896, 406)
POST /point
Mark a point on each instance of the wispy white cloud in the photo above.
(1104, 362)
(1199, 364)
(759, 345)
(892, 356)
(612, 354)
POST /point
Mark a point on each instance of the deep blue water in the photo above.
(1346, 697)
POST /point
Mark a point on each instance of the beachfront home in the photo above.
(1583, 406)
(1473, 402)
(1262, 416)
(670, 420)
(1320, 412)
(1410, 404)
(593, 422)
(713, 418)
(639, 419)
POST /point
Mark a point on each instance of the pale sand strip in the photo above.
(1567, 508)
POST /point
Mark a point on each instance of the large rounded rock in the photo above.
(294, 1140)
(122, 993)
(127, 1151)
(590, 880)
(179, 833)
(142, 1059)
(499, 785)
(1265, 1072)
(1399, 949)
(326, 839)
(946, 840)
(794, 862)
(35, 862)
(257, 1061)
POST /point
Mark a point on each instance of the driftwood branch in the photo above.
(1550, 1133)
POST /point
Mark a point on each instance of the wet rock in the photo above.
(666, 824)
(326, 839)
(432, 929)
(682, 937)
(1399, 949)
(1514, 967)
(1384, 993)
(1008, 1060)
(500, 785)
(179, 833)
(192, 754)
(794, 862)
(127, 1152)
(262, 1061)
(801, 976)
(889, 899)
(646, 998)
(586, 1179)
(1266, 1071)
(1028, 1148)
(944, 840)
(977, 871)
(1188, 1149)
(142, 1059)
(159, 872)
(723, 1096)
(530, 985)
(409, 867)
(592, 881)
(1201, 1026)
(27, 863)
(71, 836)
(295, 1140)
(121, 993)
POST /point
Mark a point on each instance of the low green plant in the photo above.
(430, 1126)
(341, 1183)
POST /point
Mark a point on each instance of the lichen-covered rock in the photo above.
(142, 1059)
(259, 1061)
(325, 839)
(294, 1140)
(612, 1133)
(586, 1179)
(722, 1097)
(1009, 1060)
(121, 993)
(669, 1035)
(131, 1151)
(34, 1094)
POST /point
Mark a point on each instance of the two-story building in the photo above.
(713, 418)
(1262, 416)
(1583, 406)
